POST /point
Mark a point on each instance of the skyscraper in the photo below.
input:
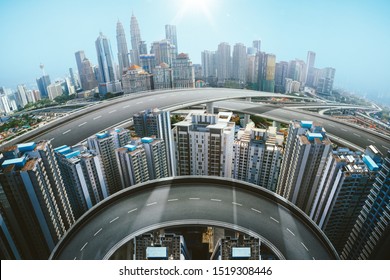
(239, 63)
(305, 154)
(22, 95)
(135, 40)
(108, 78)
(123, 52)
(266, 72)
(87, 76)
(164, 52)
(280, 76)
(156, 156)
(309, 79)
(83, 177)
(257, 45)
(209, 64)
(170, 34)
(370, 236)
(157, 123)
(346, 181)
(257, 155)
(203, 144)
(224, 62)
(325, 81)
(43, 82)
(33, 199)
(183, 72)
(104, 145)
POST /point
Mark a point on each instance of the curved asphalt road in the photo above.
(90, 123)
(183, 200)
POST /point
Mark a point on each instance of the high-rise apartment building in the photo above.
(370, 236)
(281, 69)
(252, 69)
(243, 248)
(104, 145)
(157, 123)
(135, 40)
(123, 51)
(325, 81)
(257, 156)
(305, 154)
(87, 76)
(203, 144)
(156, 155)
(162, 77)
(209, 64)
(133, 165)
(34, 202)
(54, 90)
(83, 177)
(148, 62)
(346, 181)
(170, 34)
(266, 71)
(309, 79)
(164, 51)
(224, 62)
(239, 63)
(183, 72)
(108, 77)
(22, 95)
(257, 45)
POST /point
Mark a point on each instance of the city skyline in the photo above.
(209, 23)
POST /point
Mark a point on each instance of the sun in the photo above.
(199, 8)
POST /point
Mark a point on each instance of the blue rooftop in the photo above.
(241, 252)
(65, 150)
(306, 124)
(60, 148)
(131, 147)
(147, 140)
(102, 135)
(72, 154)
(26, 147)
(157, 252)
(370, 163)
(312, 136)
(19, 162)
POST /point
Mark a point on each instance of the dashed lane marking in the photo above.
(194, 198)
(369, 140)
(305, 247)
(290, 231)
(113, 220)
(65, 132)
(82, 248)
(173, 199)
(216, 200)
(96, 233)
(113, 111)
(82, 124)
(258, 211)
(132, 210)
(272, 218)
(150, 204)
(235, 203)
(98, 117)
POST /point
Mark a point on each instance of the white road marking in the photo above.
(139, 102)
(113, 111)
(386, 147)
(305, 247)
(331, 125)
(113, 220)
(272, 218)
(173, 199)
(98, 117)
(258, 211)
(344, 129)
(357, 135)
(150, 204)
(194, 198)
(82, 124)
(51, 139)
(290, 231)
(217, 200)
(82, 248)
(235, 203)
(96, 233)
(132, 210)
(127, 106)
(69, 130)
(371, 141)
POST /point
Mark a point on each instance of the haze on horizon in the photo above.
(351, 36)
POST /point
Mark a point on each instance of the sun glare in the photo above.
(187, 8)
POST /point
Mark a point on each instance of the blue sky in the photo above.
(351, 36)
